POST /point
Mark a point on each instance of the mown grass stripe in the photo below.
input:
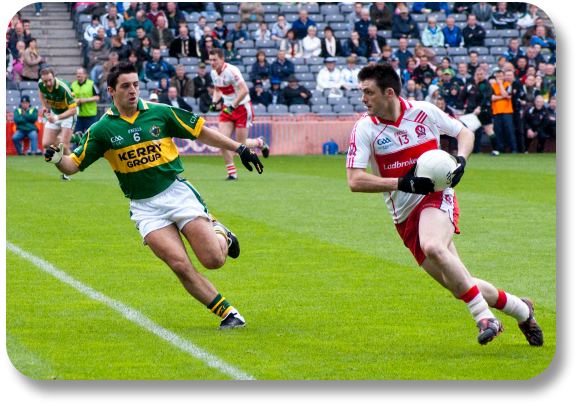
(134, 316)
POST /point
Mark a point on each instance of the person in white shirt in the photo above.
(391, 137)
(329, 77)
(91, 30)
(349, 74)
(311, 44)
(198, 31)
(262, 33)
(112, 12)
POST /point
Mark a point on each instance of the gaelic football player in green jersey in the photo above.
(59, 110)
(136, 138)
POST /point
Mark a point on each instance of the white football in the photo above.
(438, 166)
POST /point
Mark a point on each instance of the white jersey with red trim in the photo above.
(228, 83)
(393, 148)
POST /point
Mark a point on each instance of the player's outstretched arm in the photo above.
(361, 181)
(63, 163)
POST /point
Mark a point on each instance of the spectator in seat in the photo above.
(483, 11)
(139, 21)
(183, 46)
(292, 45)
(354, 16)
(411, 91)
(541, 39)
(121, 32)
(262, 33)
(230, 55)
(174, 15)
(157, 67)
(528, 91)
(155, 12)
(329, 77)
(302, 24)
(25, 118)
(91, 30)
(461, 7)
(349, 74)
(533, 57)
(311, 44)
(516, 90)
(251, 12)
(97, 56)
(296, 94)
(220, 31)
(473, 34)
(282, 68)
(386, 57)
(140, 35)
(442, 104)
(161, 36)
(163, 87)
(173, 99)
(199, 28)
(407, 73)
(31, 61)
(330, 46)
(202, 80)
(432, 7)
(145, 50)
(421, 70)
(474, 64)
(432, 35)
(205, 46)
(185, 85)
(106, 67)
(206, 99)
(362, 26)
(463, 76)
(354, 46)
(402, 53)
(433, 92)
(535, 123)
(277, 95)
(259, 96)
(394, 62)
(17, 64)
(452, 33)
(130, 12)
(110, 28)
(133, 58)
(112, 15)
(238, 33)
(503, 19)
(528, 18)
(117, 46)
(279, 30)
(530, 32)
(381, 16)
(261, 68)
(514, 51)
(404, 26)
(374, 42)
(521, 65)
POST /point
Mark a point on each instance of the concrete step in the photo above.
(59, 51)
(68, 77)
(52, 33)
(64, 16)
(65, 69)
(52, 24)
(31, 8)
(45, 43)
(75, 61)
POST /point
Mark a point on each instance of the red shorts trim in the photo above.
(242, 116)
(409, 229)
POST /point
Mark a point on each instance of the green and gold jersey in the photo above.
(140, 149)
(60, 98)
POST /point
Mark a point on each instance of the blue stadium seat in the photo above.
(316, 60)
(321, 26)
(29, 93)
(318, 18)
(259, 109)
(334, 17)
(311, 85)
(233, 8)
(492, 33)
(420, 18)
(299, 109)
(289, 9)
(305, 77)
(480, 50)
(301, 69)
(84, 18)
(12, 93)
(260, 44)
(13, 101)
(151, 85)
(11, 86)
(353, 93)
(487, 58)
(296, 61)
(270, 18)
(316, 93)
(251, 28)
(457, 51)
(509, 33)
(318, 100)
(338, 26)
(247, 52)
(385, 34)
(461, 24)
(315, 68)
(412, 42)
(486, 24)
(164, 52)
(270, 51)
(245, 44)
(311, 8)
(144, 94)
(341, 60)
(347, 8)
(343, 109)
(361, 60)
(277, 109)
(271, 8)
(189, 61)
(393, 42)
(211, 18)
(242, 68)
(498, 50)
(337, 100)
(494, 42)
(191, 19)
(191, 69)
(421, 26)
(343, 34)
(459, 17)
(171, 60)
(321, 109)
(291, 17)
(231, 18)
(329, 9)
(355, 100)
(440, 51)
(359, 108)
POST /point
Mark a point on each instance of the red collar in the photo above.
(395, 124)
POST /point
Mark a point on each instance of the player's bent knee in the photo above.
(213, 262)
(433, 250)
(181, 266)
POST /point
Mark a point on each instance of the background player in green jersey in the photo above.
(136, 138)
(59, 110)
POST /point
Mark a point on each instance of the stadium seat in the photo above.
(316, 93)
(341, 60)
(300, 109)
(259, 109)
(231, 18)
(321, 109)
(509, 33)
(494, 42)
(334, 17)
(492, 33)
(318, 18)
(191, 69)
(347, 8)
(305, 77)
(338, 26)
(245, 44)
(393, 42)
(353, 93)
(211, 18)
(487, 25)
(440, 51)
(189, 61)
(12, 93)
(412, 42)
(311, 85)
(242, 68)
(486, 58)
(271, 8)
(315, 68)
(164, 52)
(270, 52)
(457, 51)
(270, 18)
(343, 34)
(461, 24)
(337, 100)
(301, 69)
(329, 9)
(321, 26)
(291, 17)
(191, 19)
(480, 50)
(361, 60)
(13, 101)
(28, 85)
(11, 86)
(260, 44)
(247, 52)
(277, 109)
(152, 85)
(420, 18)
(498, 50)
(385, 34)
(343, 108)
(316, 60)
(84, 18)
(144, 94)
(318, 100)
(355, 100)
(460, 58)
(171, 60)
(421, 26)
(289, 9)
(359, 108)
(311, 8)
(30, 93)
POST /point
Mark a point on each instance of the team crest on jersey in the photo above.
(420, 131)
(155, 131)
(194, 120)
(384, 143)
(352, 150)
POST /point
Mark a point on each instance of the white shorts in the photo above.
(68, 122)
(178, 204)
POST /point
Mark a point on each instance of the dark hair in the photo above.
(384, 76)
(217, 51)
(140, 27)
(95, 17)
(328, 28)
(25, 21)
(522, 57)
(294, 33)
(474, 52)
(218, 19)
(280, 15)
(115, 37)
(117, 70)
(29, 40)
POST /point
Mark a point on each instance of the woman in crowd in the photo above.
(205, 47)
(261, 68)
(32, 61)
(292, 45)
(311, 44)
(230, 56)
(133, 58)
(144, 51)
(121, 32)
(354, 46)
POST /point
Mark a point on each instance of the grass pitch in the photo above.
(324, 281)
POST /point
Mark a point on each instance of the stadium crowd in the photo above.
(494, 60)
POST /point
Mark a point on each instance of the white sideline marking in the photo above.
(134, 316)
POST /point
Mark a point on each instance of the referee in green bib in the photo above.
(86, 94)
(136, 138)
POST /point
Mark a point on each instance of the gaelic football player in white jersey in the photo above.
(391, 137)
(237, 114)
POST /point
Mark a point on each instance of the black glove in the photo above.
(459, 171)
(213, 107)
(409, 183)
(247, 157)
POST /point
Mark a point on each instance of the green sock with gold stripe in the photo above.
(220, 306)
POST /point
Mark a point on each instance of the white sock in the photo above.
(231, 170)
(477, 304)
(260, 141)
(516, 308)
